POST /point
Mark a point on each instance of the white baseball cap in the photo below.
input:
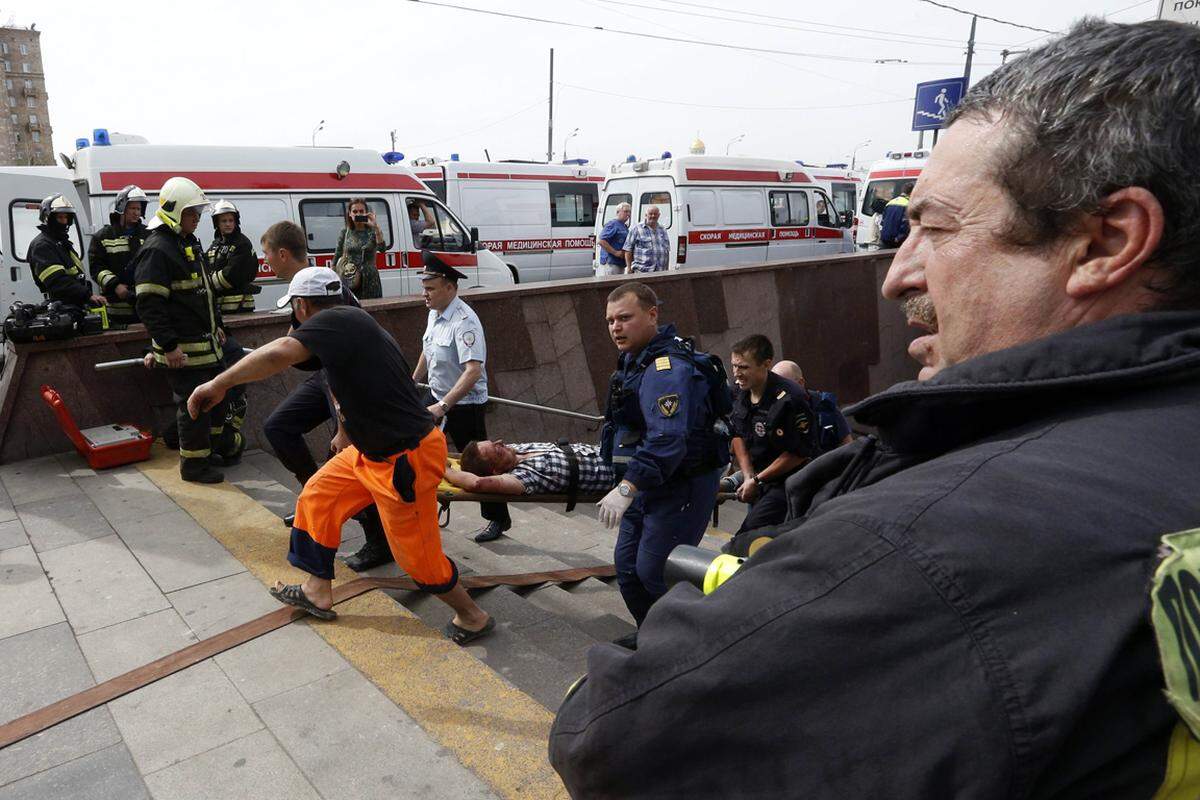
(312, 282)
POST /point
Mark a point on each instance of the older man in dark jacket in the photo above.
(988, 600)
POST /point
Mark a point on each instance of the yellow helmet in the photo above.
(176, 195)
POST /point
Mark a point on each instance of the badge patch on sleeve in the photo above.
(802, 422)
(668, 404)
(468, 338)
(662, 364)
(1175, 613)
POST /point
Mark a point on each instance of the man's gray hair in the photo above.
(1102, 108)
(624, 207)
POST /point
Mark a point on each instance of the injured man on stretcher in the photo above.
(493, 467)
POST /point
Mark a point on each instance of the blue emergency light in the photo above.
(100, 137)
(630, 159)
(81, 143)
(392, 157)
(454, 156)
(666, 154)
(579, 162)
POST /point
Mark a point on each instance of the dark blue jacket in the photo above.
(657, 421)
(894, 229)
(963, 611)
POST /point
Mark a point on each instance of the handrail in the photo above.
(106, 366)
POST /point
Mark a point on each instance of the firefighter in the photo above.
(56, 267)
(111, 253)
(176, 301)
(232, 261)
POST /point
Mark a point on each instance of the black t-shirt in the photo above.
(780, 422)
(381, 408)
(314, 364)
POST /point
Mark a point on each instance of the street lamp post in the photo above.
(320, 127)
(570, 136)
(854, 153)
(734, 141)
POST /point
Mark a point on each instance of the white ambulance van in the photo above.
(723, 210)
(842, 185)
(537, 217)
(310, 186)
(884, 181)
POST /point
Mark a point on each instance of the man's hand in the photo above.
(122, 292)
(437, 411)
(148, 361)
(613, 506)
(340, 441)
(98, 300)
(749, 491)
(204, 397)
(176, 358)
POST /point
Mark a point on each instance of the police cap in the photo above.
(436, 268)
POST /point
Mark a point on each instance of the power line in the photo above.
(728, 108)
(989, 19)
(820, 24)
(482, 127)
(678, 40)
(929, 42)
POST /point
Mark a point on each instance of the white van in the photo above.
(537, 217)
(884, 181)
(843, 185)
(722, 210)
(310, 186)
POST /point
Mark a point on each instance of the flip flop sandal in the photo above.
(291, 594)
(462, 636)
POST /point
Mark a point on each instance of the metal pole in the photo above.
(550, 121)
(970, 54)
(562, 412)
(920, 140)
(108, 366)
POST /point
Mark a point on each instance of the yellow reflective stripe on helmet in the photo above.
(54, 269)
(152, 288)
(1182, 778)
(205, 453)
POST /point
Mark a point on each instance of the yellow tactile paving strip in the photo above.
(497, 731)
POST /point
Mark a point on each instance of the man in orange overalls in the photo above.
(388, 450)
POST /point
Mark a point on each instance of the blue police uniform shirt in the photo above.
(451, 339)
(615, 233)
(650, 440)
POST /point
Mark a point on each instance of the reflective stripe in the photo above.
(221, 281)
(115, 245)
(153, 288)
(1182, 778)
(191, 283)
(196, 347)
(216, 431)
(192, 361)
(51, 270)
(104, 276)
(205, 453)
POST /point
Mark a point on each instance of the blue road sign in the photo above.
(934, 101)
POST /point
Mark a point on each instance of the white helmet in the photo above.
(225, 207)
(54, 204)
(130, 194)
(176, 195)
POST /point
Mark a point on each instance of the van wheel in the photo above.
(515, 274)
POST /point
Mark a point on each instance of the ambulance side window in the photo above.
(23, 222)
(743, 207)
(660, 199)
(445, 235)
(573, 205)
(323, 221)
(826, 214)
(702, 205)
(610, 205)
(789, 209)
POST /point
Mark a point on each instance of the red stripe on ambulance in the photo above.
(305, 181)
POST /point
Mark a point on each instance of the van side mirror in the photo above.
(474, 239)
(847, 219)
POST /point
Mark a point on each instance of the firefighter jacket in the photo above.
(110, 261)
(233, 266)
(57, 270)
(175, 298)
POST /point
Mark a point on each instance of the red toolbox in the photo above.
(103, 446)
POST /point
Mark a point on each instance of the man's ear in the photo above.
(1114, 244)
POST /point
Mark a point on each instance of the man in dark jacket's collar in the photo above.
(995, 597)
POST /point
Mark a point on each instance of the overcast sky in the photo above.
(447, 80)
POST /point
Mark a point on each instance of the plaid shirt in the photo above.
(651, 247)
(546, 470)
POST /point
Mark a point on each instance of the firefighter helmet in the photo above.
(225, 207)
(131, 194)
(54, 204)
(176, 195)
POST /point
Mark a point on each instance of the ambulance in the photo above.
(309, 186)
(842, 185)
(537, 217)
(723, 210)
(885, 179)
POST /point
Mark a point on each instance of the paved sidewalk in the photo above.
(104, 572)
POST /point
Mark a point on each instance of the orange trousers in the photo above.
(403, 487)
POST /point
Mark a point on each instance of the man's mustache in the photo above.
(920, 309)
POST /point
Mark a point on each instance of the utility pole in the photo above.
(550, 132)
(970, 54)
(393, 141)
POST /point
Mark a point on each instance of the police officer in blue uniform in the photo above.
(665, 436)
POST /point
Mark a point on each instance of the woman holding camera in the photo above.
(354, 258)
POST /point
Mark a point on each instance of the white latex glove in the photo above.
(612, 506)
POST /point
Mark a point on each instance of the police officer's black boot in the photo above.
(375, 551)
(198, 470)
